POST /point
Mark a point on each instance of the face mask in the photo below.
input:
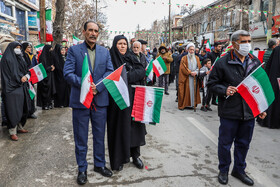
(244, 49)
(17, 51)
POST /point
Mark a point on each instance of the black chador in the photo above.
(14, 91)
(61, 98)
(124, 135)
(272, 119)
(46, 87)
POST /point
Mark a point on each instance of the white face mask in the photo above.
(244, 49)
(17, 51)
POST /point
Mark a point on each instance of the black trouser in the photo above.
(3, 113)
(135, 152)
(208, 97)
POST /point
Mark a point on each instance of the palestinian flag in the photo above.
(38, 73)
(258, 54)
(159, 66)
(75, 40)
(147, 104)
(257, 91)
(208, 46)
(31, 90)
(49, 26)
(86, 95)
(149, 70)
(116, 84)
(229, 47)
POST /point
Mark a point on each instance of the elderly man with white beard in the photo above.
(188, 88)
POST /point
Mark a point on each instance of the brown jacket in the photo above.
(184, 98)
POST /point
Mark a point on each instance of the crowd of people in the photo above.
(195, 72)
(17, 105)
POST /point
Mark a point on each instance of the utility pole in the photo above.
(96, 11)
(43, 21)
(269, 22)
(169, 22)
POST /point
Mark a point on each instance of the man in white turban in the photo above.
(188, 89)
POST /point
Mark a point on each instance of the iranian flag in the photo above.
(49, 26)
(38, 24)
(38, 73)
(257, 91)
(86, 95)
(149, 70)
(31, 90)
(208, 46)
(258, 54)
(159, 66)
(229, 47)
(116, 84)
(75, 40)
(147, 104)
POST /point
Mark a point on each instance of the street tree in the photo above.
(58, 29)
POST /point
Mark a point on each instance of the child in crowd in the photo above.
(204, 74)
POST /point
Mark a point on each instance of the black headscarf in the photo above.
(25, 55)
(46, 57)
(13, 67)
(58, 59)
(117, 58)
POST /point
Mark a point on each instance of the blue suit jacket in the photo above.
(73, 72)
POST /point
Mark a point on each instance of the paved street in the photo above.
(180, 151)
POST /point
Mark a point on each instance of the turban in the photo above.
(190, 45)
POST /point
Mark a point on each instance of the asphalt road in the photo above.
(180, 151)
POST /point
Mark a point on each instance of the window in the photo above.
(5, 9)
(32, 1)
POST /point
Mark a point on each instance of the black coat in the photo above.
(228, 72)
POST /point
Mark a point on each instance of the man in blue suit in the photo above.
(100, 66)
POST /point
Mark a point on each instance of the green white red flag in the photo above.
(49, 26)
(38, 73)
(229, 47)
(147, 104)
(208, 46)
(86, 95)
(258, 54)
(75, 40)
(159, 66)
(31, 90)
(257, 91)
(117, 86)
(149, 70)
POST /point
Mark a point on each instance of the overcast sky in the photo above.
(126, 17)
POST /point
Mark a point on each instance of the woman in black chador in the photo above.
(46, 87)
(124, 135)
(272, 69)
(29, 57)
(14, 80)
(61, 98)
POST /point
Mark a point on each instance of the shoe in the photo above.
(223, 178)
(50, 107)
(22, 131)
(166, 93)
(214, 103)
(203, 109)
(82, 178)
(120, 168)
(176, 100)
(103, 171)
(33, 116)
(138, 163)
(243, 178)
(208, 108)
(14, 137)
(45, 108)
